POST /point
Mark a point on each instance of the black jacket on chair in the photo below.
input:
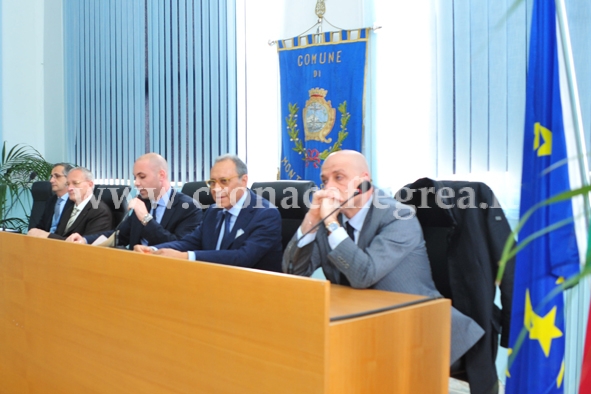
(465, 240)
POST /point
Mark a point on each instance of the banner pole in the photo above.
(567, 53)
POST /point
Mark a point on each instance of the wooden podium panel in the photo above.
(391, 352)
(83, 319)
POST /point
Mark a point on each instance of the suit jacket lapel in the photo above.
(81, 217)
(369, 226)
(242, 220)
(66, 213)
(136, 225)
(168, 212)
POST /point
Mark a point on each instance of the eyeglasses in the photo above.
(56, 176)
(222, 181)
(75, 183)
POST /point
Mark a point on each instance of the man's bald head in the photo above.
(344, 171)
(354, 160)
(150, 173)
(155, 161)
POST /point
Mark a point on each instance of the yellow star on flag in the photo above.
(560, 378)
(541, 328)
(542, 140)
(509, 351)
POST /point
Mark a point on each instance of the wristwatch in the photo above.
(332, 226)
(146, 219)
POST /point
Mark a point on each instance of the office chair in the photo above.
(200, 193)
(292, 199)
(115, 197)
(41, 193)
(464, 240)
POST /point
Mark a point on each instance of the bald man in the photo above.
(160, 213)
(382, 248)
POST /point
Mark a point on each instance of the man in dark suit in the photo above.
(86, 215)
(58, 202)
(240, 229)
(382, 247)
(160, 214)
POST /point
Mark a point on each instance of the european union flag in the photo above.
(538, 365)
(322, 90)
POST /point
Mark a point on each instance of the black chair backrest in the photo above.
(292, 199)
(437, 224)
(115, 197)
(41, 192)
(465, 230)
(200, 193)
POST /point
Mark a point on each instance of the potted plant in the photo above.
(19, 168)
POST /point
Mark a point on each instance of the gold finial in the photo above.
(320, 8)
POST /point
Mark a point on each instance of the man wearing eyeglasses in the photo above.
(58, 201)
(86, 215)
(160, 213)
(240, 229)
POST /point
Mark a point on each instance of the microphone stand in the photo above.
(362, 188)
(116, 231)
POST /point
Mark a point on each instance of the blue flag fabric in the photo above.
(322, 88)
(538, 364)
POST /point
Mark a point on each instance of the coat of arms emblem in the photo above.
(319, 116)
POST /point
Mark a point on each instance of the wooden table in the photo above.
(83, 319)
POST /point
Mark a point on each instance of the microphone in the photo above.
(362, 188)
(116, 231)
(32, 176)
(130, 212)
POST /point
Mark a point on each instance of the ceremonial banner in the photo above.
(322, 89)
(537, 337)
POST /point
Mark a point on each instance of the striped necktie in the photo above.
(72, 219)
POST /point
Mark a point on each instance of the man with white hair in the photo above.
(86, 215)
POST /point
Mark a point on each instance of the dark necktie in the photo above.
(227, 218)
(351, 233)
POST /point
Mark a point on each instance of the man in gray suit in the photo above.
(382, 247)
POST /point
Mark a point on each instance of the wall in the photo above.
(53, 92)
(22, 72)
(395, 121)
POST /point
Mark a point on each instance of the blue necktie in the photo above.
(227, 219)
(56, 215)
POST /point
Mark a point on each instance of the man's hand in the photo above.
(77, 238)
(171, 253)
(38, 233)
(143, 249)
(139, 207)
(323, 202)
(330, 201)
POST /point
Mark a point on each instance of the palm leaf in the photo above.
(19, 167)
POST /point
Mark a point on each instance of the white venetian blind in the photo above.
(150, 76)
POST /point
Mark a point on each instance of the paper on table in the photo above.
(104, 241)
